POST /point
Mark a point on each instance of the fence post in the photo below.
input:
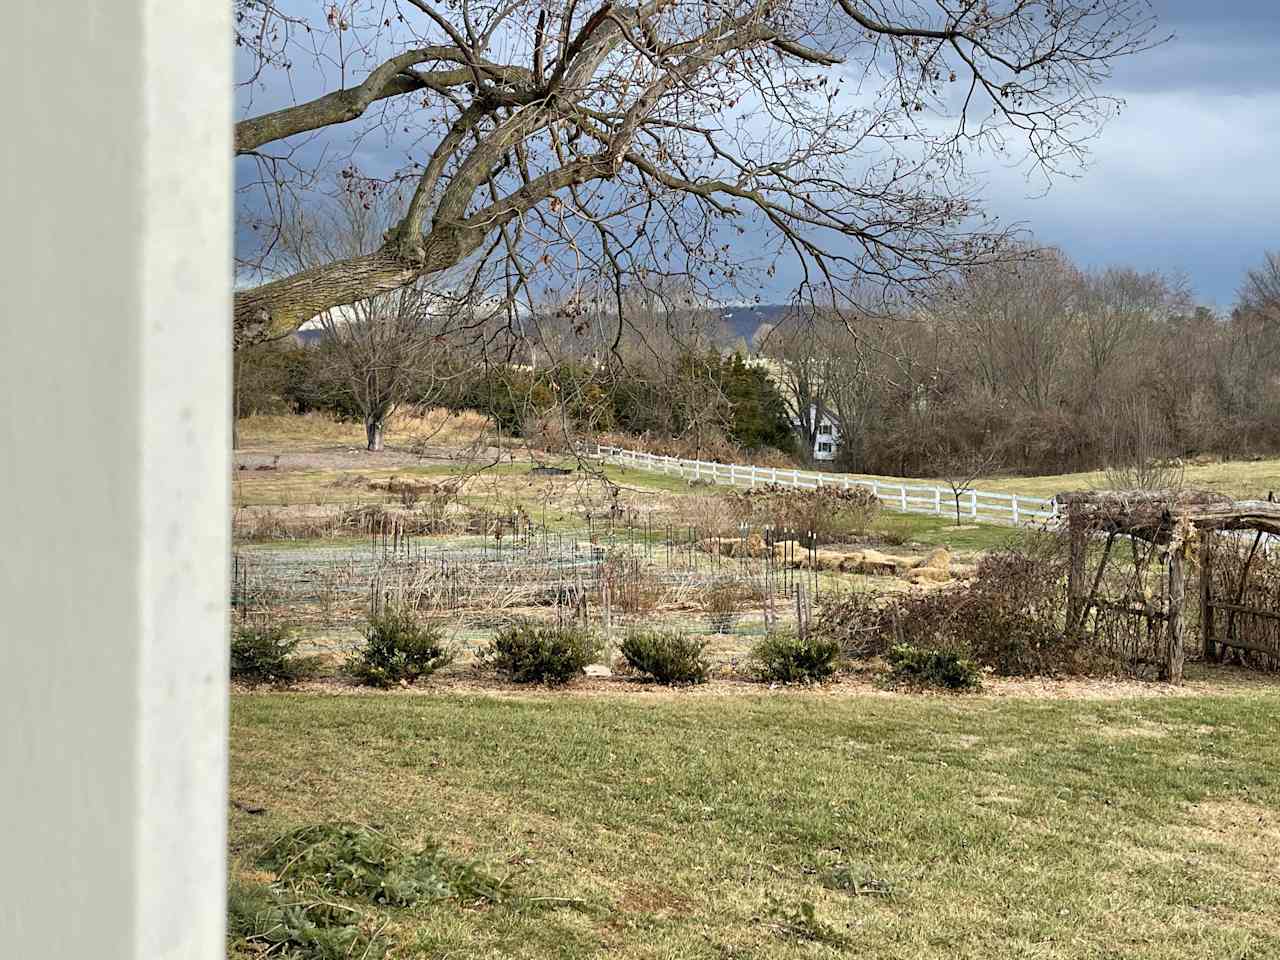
(937, 500)
(1075, 575)
(973, 504)
(1176, 623)
(1015, 509)
(903, 491)
(1206, 594)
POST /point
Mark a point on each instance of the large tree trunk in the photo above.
(277, 308)
(373, 429)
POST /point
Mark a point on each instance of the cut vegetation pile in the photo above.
(327, 881)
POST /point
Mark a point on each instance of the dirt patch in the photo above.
(1140, 729)
(656, 901)
(1248, 832)
(469, 680)
(350, 458)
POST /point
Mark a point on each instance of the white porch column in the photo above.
(115, 186)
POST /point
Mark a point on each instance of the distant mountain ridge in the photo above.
(741, 321)
(744, 320)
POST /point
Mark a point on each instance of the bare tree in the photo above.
(1014, 321)
(797, 350)
(853, 389)
(381, 352)
(1120, 311)
(1139, 455)
(550, 139)
(376, 355)
(1255, 328)
(962, 466)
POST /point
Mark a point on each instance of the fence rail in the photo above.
(1010, 508)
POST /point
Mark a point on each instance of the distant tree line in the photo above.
(1031, 365)
(705, 399)
(1041, 367)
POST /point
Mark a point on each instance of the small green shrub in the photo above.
(264, 653)
(933, 667)
(788, 658)
(399, 648)
(530, 652)
(666, 655)
(291, 924)
(353, 860)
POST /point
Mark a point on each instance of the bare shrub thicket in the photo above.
(725, 602)
(633, 588)
(827, 514)
(1060, 368)
(1010, 619)
(1140, 456)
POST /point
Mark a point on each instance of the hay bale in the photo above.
(756, 548)
(939, 558)
(873, 563)
(829, 560)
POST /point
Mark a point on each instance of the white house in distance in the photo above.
(826, 441)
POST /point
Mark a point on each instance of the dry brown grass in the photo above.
(1242, 479)
(437, 427)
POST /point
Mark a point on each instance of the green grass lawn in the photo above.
(698, 826)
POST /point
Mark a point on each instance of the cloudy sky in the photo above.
(1186, 180)
(1188, 177)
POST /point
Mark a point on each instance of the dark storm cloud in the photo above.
(1183, 180)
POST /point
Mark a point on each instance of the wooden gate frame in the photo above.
(1165, 517)
(1215, 646)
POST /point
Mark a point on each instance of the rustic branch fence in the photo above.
(976, 505)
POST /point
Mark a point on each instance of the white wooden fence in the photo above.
(976, 505)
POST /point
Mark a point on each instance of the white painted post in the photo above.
(973, 503)
(903, 492)
(937, 500)
(115, 262)
(1015, 509)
